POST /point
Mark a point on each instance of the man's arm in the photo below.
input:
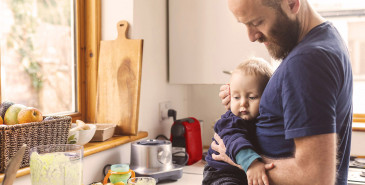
(314, 162)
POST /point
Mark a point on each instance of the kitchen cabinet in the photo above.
(204, 40)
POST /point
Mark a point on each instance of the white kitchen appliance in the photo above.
(153, 158)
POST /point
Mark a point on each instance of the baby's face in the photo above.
(246, 93)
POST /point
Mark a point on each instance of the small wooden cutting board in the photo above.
(119, 82)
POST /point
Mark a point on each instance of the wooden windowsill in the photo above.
(94, 147)
(358, 126)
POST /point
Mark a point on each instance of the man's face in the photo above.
(267, 25)
(282, 37)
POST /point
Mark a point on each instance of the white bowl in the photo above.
(81, 137)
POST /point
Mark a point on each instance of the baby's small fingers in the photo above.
(249, 182)
(265, 180)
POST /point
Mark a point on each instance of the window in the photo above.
(38, 60)
(43, 54)
(348, 16)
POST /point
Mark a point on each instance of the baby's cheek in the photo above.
(234, 111)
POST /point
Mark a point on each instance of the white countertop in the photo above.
(192, 175)
(354, 176)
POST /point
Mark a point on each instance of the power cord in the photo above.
(172, 113)
(163, 136)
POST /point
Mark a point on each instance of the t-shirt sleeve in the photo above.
(309, 99)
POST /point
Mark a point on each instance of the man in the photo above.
(306, 109)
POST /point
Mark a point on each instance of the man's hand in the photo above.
(225, 96)
(221, 149)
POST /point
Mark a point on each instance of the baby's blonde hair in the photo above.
(255, 66)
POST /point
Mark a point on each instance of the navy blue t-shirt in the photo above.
(310, 93)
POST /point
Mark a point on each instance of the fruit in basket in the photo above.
(4, 106)
(29, 114)
(11, 115)
(1, 121)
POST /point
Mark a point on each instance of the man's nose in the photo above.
(253, 33)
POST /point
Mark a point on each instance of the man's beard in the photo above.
(283, 36)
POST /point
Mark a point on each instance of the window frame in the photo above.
(88, 37)
(359, 118)
(88, 18)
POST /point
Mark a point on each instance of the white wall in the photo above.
(147, 21)
(204, 104)
(113, 11)
(150, 24)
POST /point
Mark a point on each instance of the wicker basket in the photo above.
(12, 137)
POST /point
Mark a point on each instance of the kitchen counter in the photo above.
(117, 150)
(96, 155)
(192, 175)
(354, 177)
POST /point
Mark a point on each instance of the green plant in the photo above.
(21, 38)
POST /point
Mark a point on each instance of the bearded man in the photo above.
(305, 121)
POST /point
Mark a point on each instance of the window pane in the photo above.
(37, 54)
(356, 42)
(348, 17)
(334, 5)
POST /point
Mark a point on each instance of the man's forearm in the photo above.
(313, 163)
(286, 171)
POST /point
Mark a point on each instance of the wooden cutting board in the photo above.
(119, 82)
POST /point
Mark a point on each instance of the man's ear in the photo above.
(294, 6)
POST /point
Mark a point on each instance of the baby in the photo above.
(237, 128)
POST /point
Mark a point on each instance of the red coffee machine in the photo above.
(186, 138)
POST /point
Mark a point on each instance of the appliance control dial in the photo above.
(163, 156)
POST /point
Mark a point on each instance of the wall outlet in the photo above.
(164, 107)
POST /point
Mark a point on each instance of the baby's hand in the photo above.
(256, 173)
